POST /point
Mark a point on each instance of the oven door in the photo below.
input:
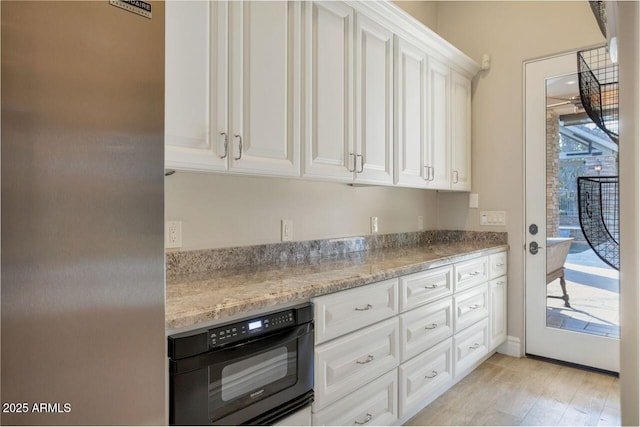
(236, 384)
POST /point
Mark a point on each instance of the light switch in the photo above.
(493, 218)
(474, 200)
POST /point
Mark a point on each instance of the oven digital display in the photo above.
(255, 325)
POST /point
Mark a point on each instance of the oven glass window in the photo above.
(253, 374)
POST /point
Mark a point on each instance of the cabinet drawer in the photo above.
(497, 265)
(471, 273)
(425, 375)
(375, 403)
(347, 363)
(425, 326)
(343, 312)
(470, 346)
(419, 288)
(470, 306)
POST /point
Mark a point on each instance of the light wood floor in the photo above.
(510, 391)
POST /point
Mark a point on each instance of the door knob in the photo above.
(533, 248)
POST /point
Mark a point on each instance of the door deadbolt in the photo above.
(533, 229)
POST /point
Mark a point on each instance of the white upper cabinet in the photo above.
(328, 101)
(460, 132)
(438, 147)
(374, 102)
(347, 91)
(232, 87)
(195, 85)
(411, 114)
(265, 85)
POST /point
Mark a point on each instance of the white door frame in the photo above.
(580, 348)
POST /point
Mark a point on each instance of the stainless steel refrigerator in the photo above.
(82, 254)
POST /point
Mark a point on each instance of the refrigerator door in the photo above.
(82, 271)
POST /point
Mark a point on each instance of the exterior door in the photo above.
(542, 337)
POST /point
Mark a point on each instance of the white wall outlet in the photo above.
(493, 218)
(474, 200)
(173, 234)
(420, 222)
(374, 224)
(287, 230)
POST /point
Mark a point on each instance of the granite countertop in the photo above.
(200, 298)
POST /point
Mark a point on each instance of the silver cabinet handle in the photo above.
(368, 360)
(431, 326)
(474, 307)
(367, 418)
(361, 157)
(431, 286)
(455, 180)
(500, 265)
(500, 283)
(474, 273)
(433, 375)
(352, 158)
(432, 174)
(239, 147)
(474, 347)
(226, 145)
(426, 170)
(366, 307)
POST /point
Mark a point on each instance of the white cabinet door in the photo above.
(498, 312)
(374, 404)
(425, 326)
(343, 312)
(195, 85)
(328, 99)
(265, 87)
(469, 347)
(437, 151)
(374, 102)
(345, 364)
(425, 376)
(419, 288)
(410, 114)
(460, 132)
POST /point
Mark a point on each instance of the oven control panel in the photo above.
(251, 327)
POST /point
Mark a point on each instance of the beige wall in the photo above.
(225, 210)
(424, 11)
(511, 32)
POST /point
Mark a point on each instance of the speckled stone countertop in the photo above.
(199, 298)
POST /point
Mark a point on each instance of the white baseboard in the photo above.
(511, 347)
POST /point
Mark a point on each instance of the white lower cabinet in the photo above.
(425, 326)
(470, 346)
(425, 375)
(347, 363)
(385, 350)
(374, 404)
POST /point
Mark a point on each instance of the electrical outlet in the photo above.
(287, 230)
(173, 234)
(374, 224)
(420, 222)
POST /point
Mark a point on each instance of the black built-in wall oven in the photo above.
(251, 371)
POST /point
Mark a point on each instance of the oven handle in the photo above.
(245, 349)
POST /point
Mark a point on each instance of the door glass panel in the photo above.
(254, 373)
(582, 286)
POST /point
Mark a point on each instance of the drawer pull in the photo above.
(474, 347)
(366, 307)
(431, 286)
(500, 283)
(500, 264)
(367, 418)
(431, 326)
(474, 307)
(369, 359)
(433, 375)
(474, 273)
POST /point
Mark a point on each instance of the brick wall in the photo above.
(553, 171)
